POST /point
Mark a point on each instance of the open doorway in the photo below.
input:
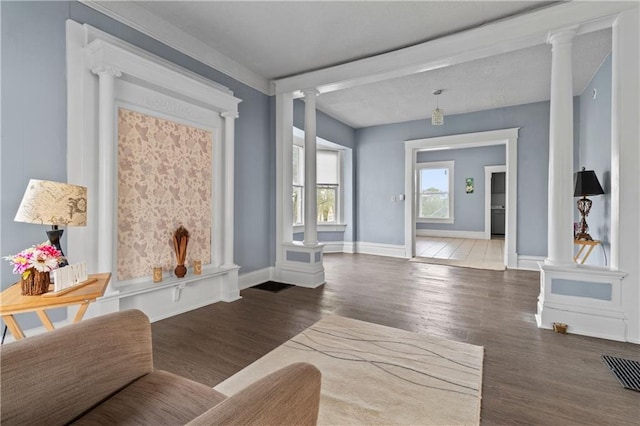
(495, 202)
(506, 137)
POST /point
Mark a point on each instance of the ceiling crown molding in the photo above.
(157, 28)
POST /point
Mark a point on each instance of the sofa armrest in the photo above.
(289, 396)
(54, 377)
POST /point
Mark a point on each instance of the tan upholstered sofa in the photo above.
(100, 371)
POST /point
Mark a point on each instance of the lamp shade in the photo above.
(586, 183)
(437, 117)
(53, 203)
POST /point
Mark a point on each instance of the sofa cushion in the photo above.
(159, 398)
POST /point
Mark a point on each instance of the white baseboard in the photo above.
(333, 246)
(443, 233)
(348, 247)
(529, 263)
(255, 277)
(378, 249)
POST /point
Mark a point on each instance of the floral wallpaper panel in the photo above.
(164, 181)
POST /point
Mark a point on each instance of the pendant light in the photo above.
(437, 116)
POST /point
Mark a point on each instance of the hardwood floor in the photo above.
(531, 376)
(461, 249)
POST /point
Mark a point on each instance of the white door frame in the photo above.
(507, 137)
(488, 171)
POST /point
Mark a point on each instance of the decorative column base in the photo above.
(587, 299)
(301, 265)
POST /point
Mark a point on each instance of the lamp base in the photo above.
(54, 238)
(584, 207)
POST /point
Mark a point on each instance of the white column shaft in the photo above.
(561, 204)
(310, 178)
(106, 164)
(229, 146)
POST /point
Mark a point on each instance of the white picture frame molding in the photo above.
(103, 74)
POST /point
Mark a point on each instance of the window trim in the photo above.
(435, 165)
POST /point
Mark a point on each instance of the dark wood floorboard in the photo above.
(531, 376)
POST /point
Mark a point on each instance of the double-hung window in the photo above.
(435, 192)
(328, 166)
(328, 177)
(298, 185)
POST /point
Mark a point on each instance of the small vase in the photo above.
(180, 271)
(36, 283)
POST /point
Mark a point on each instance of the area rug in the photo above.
(475, 264)
(373, 374)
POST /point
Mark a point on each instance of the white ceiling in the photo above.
(280, 39)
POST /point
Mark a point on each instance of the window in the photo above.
(435, 192)
(328, 185)
(298, 185)
(328, 167)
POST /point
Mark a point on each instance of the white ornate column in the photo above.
(229, 142)
(560, 209)
(106, 165)
(310, 178)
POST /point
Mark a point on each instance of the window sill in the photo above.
(325, 227)
(422, 220)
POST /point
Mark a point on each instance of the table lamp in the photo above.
(586, 184)
(56, 204)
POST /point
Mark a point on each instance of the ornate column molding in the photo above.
(106, 69)
(310, 175)
(106, 163)
(229, 163)
(560, 213)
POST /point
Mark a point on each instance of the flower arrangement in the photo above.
(43, 258)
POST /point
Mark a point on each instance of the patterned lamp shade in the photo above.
(53, 203)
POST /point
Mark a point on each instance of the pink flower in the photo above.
(43, 257)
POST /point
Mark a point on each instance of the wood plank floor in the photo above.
(460, 249)
(531, 376)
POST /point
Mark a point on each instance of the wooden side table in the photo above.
(580, 257)
(13, 302)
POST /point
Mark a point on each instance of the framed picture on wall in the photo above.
(469, 185)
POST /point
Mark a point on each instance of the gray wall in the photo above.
(380, 171)
(34, 127)
(595, 154)
(469, 163)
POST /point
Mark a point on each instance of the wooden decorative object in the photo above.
(180, 241)
(157, 274)
(559, 327)
(35, 283)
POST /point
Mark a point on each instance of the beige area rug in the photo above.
(475, 264)
(373, 374)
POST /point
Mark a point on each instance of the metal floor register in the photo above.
(626, 371)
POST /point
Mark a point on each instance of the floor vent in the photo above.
(626, 371)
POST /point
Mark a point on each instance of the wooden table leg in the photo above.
(81, 311)
(577, 256)
(45, 319)
(13, 327)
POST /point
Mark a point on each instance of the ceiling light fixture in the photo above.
(437, 116)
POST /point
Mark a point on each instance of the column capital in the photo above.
(230, 114)
(106, 69)
(562, 36)
(310, 93)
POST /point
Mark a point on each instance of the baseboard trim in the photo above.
(529, 263)
(252, 278)
(443, 233)
(333, 246)
(378, 249)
